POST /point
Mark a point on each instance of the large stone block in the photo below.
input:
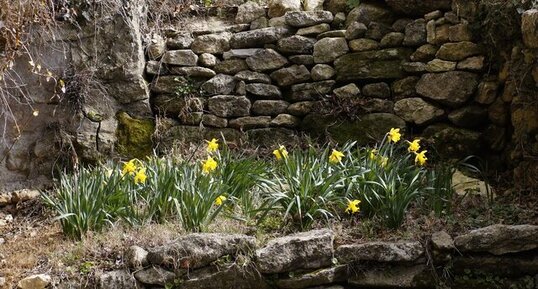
(212, 43)
(380, 252)
(229, 106)
(266, 59)
(381, 64)
(452, 88)
(308, 18)
(499, 239)
(326, 50)
(258, 37)
(417, 111)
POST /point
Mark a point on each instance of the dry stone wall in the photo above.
(270, 73)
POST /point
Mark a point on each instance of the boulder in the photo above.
(207, 60)
(180, 41)
(393, 39)
(286, 120)
(376, 90)
(231, 66)
(314, 30)
(266, 59)
(312, 5)
(251, 76)
(499, 239)
(291, 75)
(39, 281)
(296, 44)
(229, 105)
(355, 30)
(269, 107)
(416, 110)
(154, 68)
(302, 59)
(415, 33)
(310, 91)
(316, 278)
(333, 33)
(136, 257)
(424, 53)
(405, 87)
(442, 241)
(380, 64)
(173, 106)
(180, 57)
(363, 44)
(458, 51)
(438, 65)
(264, 90)
(278, 8)
(328, 49)
(220, 84)
(193, 71)
(414, 67)
(347, 91)
(212, 43)
(452, 88)
(419, 7)
(258, 37)
(460, 32)
(380, 252)
(250, 122)
(116, 279)
(377, 30)
(168, 84)
(369, 12)
(529, 28)
(308, 18)
(248, 12)
(469, 116)
(302, 108)
(214, 121)
(475, 63)
(306, 250)
(259, 23)
(155, 275)
(322, 72)
(463, 185)
(240, 53)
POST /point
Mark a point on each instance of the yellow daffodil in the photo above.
(280, 153)
(353, 206)
(414, 146)
(394, 135)
(129, 167)
(219, 200)
(383, 161)
(373, 154)
(209, 165)
(212, 145)
(140, 176)
(335, 157)
(420, 158)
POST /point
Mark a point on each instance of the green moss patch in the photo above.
(134, 136)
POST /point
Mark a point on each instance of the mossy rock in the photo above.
(134, 136)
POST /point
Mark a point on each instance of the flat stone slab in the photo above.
(499, 239)
(380, 252)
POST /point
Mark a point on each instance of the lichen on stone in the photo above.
(134, 136)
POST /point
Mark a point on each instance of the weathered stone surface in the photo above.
(302, 108)
(250, 122)
(266, 59)
(499, 239)
(306, 250)
(328, 49)
(39, 281)
(348, 91)
(277, 22)
(454, 142)
(363, 44)
(214, 121)
(417, 111)
(193, 71)
(418, 7)
(333, 33)
(475, 63)
(355, 30)
(458, 51)
(180, 57)
(286, 120)
(442, 241)
(314, 30)
(207, 60)
(229, 105)
(264, 90)
(248, 12)
(156, 48)
(311, 5)
(487, 92)
(377, 30)
(380, 252)
(116, 279)
(269, 107)
(212, 43)
(452, 88)
(367, 13)
(136, 257)
(377, 90)
(310, 91)
(291, 75)
(433, 15)
(307, 18)
(155, 68)
(296, 44)
(424, 53)
(529, 28)
(393, 39)
(438, 65)
(258, 37)
(371, 105)
(199, 250)
(251, 76)
(400, 24)
(259, 23)
(460, 32)
(322, 72)
(302, 59)
(240, 53)
(172, 105)
(167, 84)
(381, 64)
(336, 7)
(179, 41)
(271, 137)
(469, 116)
(405, 87)
(394, 277)
(231, 66)
(316, 278)
(220, 84)
(155, 275)
(415, 33)
(414, 67)
(278, 8)
(230, 276)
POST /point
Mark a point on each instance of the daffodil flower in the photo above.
(140, 176)
(353, 206)
(420, 158)
(335, 157)
(394, 135)
(129, 167)
(212, 145)
(209, 165)
(280, 153)
(220, 200)
(414, 146)
(373, 154)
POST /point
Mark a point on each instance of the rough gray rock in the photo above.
(220, 84)
(155, 275)
(452, 88)
(529, 28)
(269, 107)
(380, 64)
(199, 250)
(180, 57)
(250, 122)
(251, 76)
(347, 91)
(266, 59)
(316, 278)
(355, 30)
(291, 75)
(377, 30)
(393, 39)
(458, 51)
(487, 92)
(312, 5)
(173, 106)
(301, 108)
(136, 257)
(156, 48)
(322, 72)
(264, 90)
(39, 281)
(308, 18)
(240, 53)
(232, 276)
(457, 142)
(424, 53)
(307, 250)
(167, 84)
(371, 105)
(469, 116)
(415, 33)
(229, 105)
(499, 239)
(367, 13)
(326, 50)
(155, 68)
(212, 43)
(214, 121)
(193, 71)
(258, 37)
(286, 120)
(180, 41)
(278, 8)
(302, 59)
(438, 65)
(363, 44)
(314, 30)
(380, 252)
(207, 60)
(296, 44)
(416, 110)
(333, 33)
(118, 279)
(475, 63)
(310, 91)
(231, 66)
(405, 87)
(442, 241)
(248, 12)
(460, 32)
(376, 90)
(259, 23)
